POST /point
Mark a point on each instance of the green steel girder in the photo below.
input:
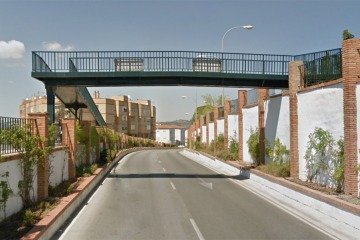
(162, 79)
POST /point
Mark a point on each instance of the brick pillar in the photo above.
(227, 106)
(241, 104)
(294, 84)
(262, 95)
(86, 126)
(351, 73)
(42, 126)
(207, 121)
(201, 123)
(216, 116)
(69, 139)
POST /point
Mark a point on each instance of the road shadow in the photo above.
(176, 175)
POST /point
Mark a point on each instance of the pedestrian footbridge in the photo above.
(67, 74)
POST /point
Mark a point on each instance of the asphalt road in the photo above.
(160, 194)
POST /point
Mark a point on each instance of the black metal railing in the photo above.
(320, 67)
(10, 126)
(160, 61)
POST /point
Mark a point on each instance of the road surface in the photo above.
(160, 194)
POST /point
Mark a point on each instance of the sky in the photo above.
(279, 27)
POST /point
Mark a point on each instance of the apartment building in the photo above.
(134, 118)
(170, 134)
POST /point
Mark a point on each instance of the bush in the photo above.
(86, 170)
(277, 170)
(29, 218)
(253, 145)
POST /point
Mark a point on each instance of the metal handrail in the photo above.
(163, 61)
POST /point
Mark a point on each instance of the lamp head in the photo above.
(248, 27)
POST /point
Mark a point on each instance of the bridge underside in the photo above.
(104, 79)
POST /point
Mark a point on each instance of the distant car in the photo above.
(181, 146)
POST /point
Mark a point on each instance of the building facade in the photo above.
(133, 118)
(170, 134)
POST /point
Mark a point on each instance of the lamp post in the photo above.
(247, 27)
(184, 97)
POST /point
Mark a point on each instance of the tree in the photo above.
(214, 101)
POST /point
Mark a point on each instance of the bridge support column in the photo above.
(351, 74)
(262, 95)
(241, 103)
(50, 103)
(294, 84)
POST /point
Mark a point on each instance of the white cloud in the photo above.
(55, 46)
(12, 49)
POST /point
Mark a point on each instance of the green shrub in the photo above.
(277, 170)
(278, 152)
(86, 170)
(29, 218)
(253, 145)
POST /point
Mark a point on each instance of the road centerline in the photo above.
(197, 230)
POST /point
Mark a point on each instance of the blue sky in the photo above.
(280, 27)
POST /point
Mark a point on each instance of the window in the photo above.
(124, 128)
(124, 109)
(148, 127)
(124, 117)
(132, 127)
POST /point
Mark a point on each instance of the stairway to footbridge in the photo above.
(67, 74)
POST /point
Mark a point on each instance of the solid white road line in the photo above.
(164, 169)
(197, 230)
(172, 185)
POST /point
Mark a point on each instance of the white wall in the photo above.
(163, 135)
(178, 135)
(14, 203)
(233, 127)
(211, 132)
(322, 108)
(203, 137)
(277, 120)
(250, 121)
(220, 126)
(59, 167)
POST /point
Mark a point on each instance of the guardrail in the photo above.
(160, 61)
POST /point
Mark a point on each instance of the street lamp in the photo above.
(247, 27)
(184, 97)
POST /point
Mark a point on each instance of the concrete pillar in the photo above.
(69, 140)
(295, 78)
(50, 103)
(241, 104)
(41, 128)
(351, 74)
(262, 95)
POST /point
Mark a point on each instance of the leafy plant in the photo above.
(278, 152)
(339, 166)
(347, 35)
(6, 192)
(32, 150)
(234, 146)
(320, 150)
(29, 218)
(276, 169)
(253, 145)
